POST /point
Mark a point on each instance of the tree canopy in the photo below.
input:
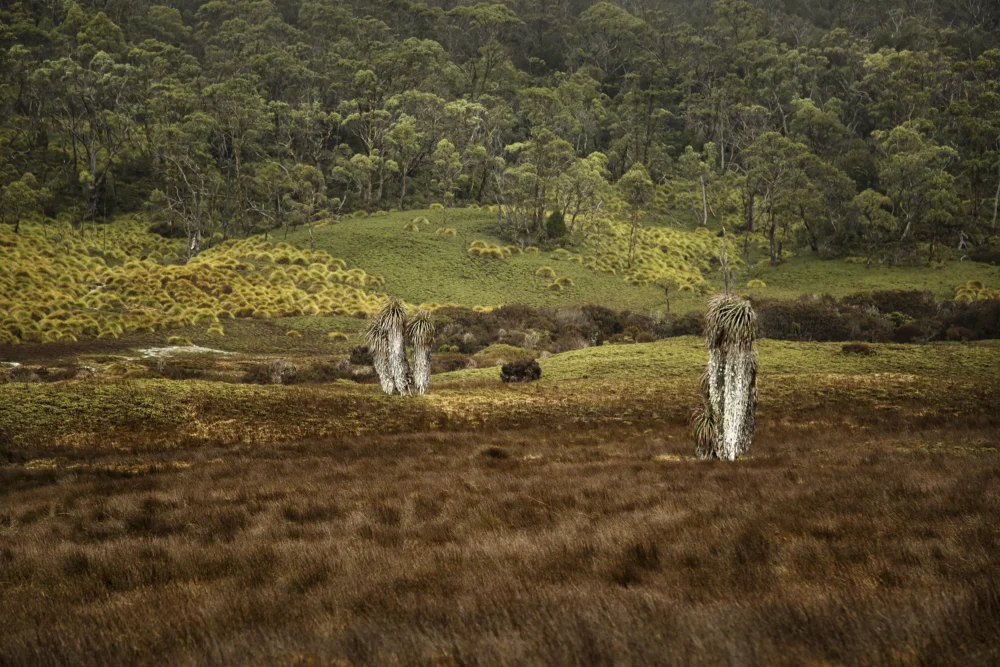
(830, 125)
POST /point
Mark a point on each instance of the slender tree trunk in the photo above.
(704, 202)
(996, 200)
(813, 243)
(772, 244)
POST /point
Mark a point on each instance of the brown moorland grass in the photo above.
(561, 522)
(519, 547)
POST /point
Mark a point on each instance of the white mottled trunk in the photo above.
(421, 368)
(716, 394)
(735, 427)
(381, 364)
(398, 366)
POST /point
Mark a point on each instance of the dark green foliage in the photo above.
(821, 319)
(522, 370)
(912, 303)
(555, 225)
(235, 117)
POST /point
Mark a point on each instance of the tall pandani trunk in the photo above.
(725, 423)
(387, 346)
(392, 322)
(420, 331)
(378, 348)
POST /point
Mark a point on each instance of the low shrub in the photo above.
(360, 356)
(908, 333)
(450, 361)
(522, 370)
(277, 372)
(986, 256)
(956, 333)
(324, 371)
(862, 349)
(820, 319)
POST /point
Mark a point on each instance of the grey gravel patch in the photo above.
(173, 350)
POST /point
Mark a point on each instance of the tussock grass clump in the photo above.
(64, 288)
(179, 341)
(975, 290)
(862, 349)
(482, 249)
(545, 272)
(337, 336)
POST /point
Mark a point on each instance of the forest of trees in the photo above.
(837, 126)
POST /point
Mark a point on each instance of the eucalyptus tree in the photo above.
(20, 199)
(636, 190)
(190, 187)
(447, 170)
(914, 170)
(525, 188)
(94, 104)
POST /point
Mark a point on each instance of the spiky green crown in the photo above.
(730, 321)
(421, 329)
(391, 316)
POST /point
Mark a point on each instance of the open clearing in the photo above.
(560, 522)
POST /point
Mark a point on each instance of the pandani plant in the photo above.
(386, 340)
(420, 331)
(725, 422)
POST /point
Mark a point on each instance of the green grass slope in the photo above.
(807, 274)
(424, 267)
(686, 356)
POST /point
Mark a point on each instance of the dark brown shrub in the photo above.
(360, 356)
(908, 333)
(324, 371)
(448, 362)
(522, 370)
(957, 333)
(986, 256)
(862, 349)
(914, 303)
(820, 319)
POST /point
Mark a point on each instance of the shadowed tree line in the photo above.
(836, 126)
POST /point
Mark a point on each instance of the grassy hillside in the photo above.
(425, 267)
